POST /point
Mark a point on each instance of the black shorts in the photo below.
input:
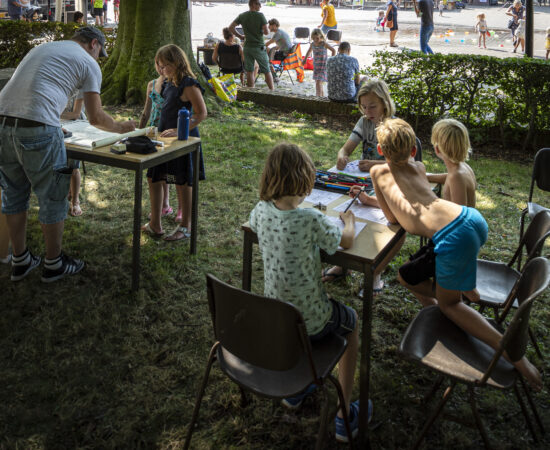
(279, 55)
(98, 12)
(420, 267)
(342, 321)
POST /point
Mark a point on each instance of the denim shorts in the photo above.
(34, 158)
(342, 321)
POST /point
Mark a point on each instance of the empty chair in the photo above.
(540, 176)
(262, 345)
(436, 342)
(301, 35)
(334, 35)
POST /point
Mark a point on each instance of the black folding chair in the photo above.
(262, 345)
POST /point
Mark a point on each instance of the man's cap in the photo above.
(93, 33)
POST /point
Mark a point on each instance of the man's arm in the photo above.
(100, 119)
(233, 30)
(265, 29)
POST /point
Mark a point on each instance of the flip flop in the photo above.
(334, 276)
(375, 290)
(147, 229)
(178, 234)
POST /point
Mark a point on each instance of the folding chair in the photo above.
(262, 345)
(293, 60)
(334, 35)
(541, 175)
(301, 33)
(436, 342)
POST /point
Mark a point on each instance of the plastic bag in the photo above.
(210, 40)
(225, 87)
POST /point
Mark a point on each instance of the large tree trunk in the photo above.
(145, 25)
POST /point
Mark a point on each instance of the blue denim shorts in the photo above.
(34, 158)
(342, 321)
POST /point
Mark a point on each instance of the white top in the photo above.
(49, 75)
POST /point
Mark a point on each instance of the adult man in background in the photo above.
(32, 151)
(424, 9)
(15, 9)
(254, 27)
(343, 75)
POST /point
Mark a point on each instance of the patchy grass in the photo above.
(86, 364)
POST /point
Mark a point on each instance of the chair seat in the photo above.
(435, 341)
(281, 384)
(495, 280)
(534, 208)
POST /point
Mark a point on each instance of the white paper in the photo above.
(351, 169)
(88, 136)
(364, 212)
(324, 197)
(338, 222)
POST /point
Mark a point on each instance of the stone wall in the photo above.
(294, 102)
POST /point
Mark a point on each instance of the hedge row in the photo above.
(510, 95)
(17, 38)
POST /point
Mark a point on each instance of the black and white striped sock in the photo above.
(24, 259)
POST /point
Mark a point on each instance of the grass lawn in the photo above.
(86, 364)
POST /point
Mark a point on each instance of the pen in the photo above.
(353, 200)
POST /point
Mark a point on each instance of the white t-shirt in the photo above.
(49, 75)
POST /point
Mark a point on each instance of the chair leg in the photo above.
(211, 359)
(532, 405)
(83, 167)
(244, 398)
(477, 418)
(521, 227)
(535, 344)
(525, 413)
(323, 421)
(290, 76)
(434, 389)
(342, 401)
(437, 411)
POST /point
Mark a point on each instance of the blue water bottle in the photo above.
(183, 124)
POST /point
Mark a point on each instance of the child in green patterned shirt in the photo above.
(290, 239)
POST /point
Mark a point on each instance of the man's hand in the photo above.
(127, 126)
(342, 162)
(365, 165)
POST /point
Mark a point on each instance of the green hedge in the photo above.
(17, 38)
(509, 95)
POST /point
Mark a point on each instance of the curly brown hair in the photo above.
(288, 170)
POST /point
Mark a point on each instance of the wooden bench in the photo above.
(294, 102)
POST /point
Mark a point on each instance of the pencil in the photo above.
(353, 201)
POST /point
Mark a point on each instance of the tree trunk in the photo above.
(145, 25)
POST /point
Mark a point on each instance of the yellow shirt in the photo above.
(547, 42)
(331, 17)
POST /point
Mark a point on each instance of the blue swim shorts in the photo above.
(456, 249)
(342, 321)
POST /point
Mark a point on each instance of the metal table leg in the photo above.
(364, 373)
(247, 261)
(137, 230)
(195, 201)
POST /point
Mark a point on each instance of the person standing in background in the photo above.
(424, 9)
(329, 17)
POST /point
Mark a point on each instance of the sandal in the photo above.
(165, 212)
(147, 229)
(178, 234)
(334, 276)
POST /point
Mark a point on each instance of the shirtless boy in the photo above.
(404, 194)
(452, 145)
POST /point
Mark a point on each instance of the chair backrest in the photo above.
(534, 279)
(541, 171)
(418, 155)
(262, 331)
(534, 237)
(301, 33)
(334, 35)
(229, 60)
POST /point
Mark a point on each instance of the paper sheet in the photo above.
(338, 222)
(88, 136)
(351, 169)
(324, 197)
(364, 212)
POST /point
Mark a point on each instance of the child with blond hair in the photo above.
(481, 28)
(290, 239)
(452, 145)
(319, 48)
(405, 195)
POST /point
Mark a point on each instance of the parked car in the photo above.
(460, 5)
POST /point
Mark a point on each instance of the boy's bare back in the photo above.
(460, 186)
(405, 196)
